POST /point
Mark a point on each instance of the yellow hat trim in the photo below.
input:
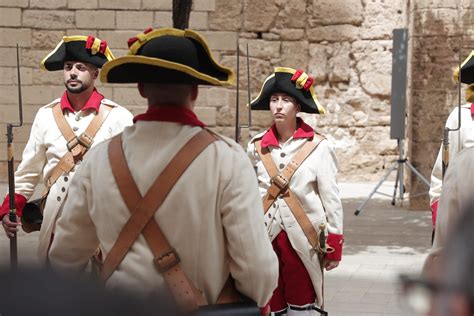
(73, 38)
(144, 38)
(292, 71)
(456, 71)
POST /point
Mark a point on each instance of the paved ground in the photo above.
(381, 242)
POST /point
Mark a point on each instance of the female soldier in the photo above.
(296, 171)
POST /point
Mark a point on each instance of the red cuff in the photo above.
(335, 241)
(265, 311)
(20, 202)
(434, 212)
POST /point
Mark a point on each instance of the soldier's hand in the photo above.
(330, 264)
(10, 227)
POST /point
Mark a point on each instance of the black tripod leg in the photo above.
(359, 209)
(394, 197)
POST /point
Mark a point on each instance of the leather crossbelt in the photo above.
(280, 187)
(141, 221)
(77, 145)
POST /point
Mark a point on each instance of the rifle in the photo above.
(11, 173)
(238, 126)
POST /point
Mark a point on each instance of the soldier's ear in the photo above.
(141, 89)
(194, 92)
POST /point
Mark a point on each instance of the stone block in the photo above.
(217, 96)
(117, 39)
(326, 12)
(393, 13)
(291, 34)
(294, 54)
(221, 40)
(6, 95)
(119, 4)
(83, 4)
(164, 5)
(32, 57)
(14, 3)
(259, 48)
(41, 77)
(8, 57)
(163, 19)
(254, 20)
(138, 20)
(84, 32)
(318, 62)
(204, 5)
(259, 70)
(38, 94)
(43, 39)
(227, 16)
(48, 4)
(48, 19)
(10, 17)
(207, 114)
(225, 116)
(292, 15)
(340, 63)
(333, 33)
(435, 4)
(104, 19)
(198, 20)
(9, 37)
(128, 97)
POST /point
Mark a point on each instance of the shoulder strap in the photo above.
(77, 145)
(141, 221)
(280, 186)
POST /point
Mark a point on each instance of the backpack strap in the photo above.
(280, 186)
(142, 210)
(77, 145)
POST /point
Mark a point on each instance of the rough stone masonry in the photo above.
(344, 44)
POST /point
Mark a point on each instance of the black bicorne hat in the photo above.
(167, 55)
(295, 83)
(87, 49)
(467, 70)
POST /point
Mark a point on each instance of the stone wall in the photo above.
(344, 44)
(439, 29)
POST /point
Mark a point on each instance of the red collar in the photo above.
(93, 102)
(270, 138)
(170, 114)
(472, 110)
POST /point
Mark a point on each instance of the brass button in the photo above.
(66, 179)
(269, 215)
(63, 189)
(75, 128)
(281, 166)
(59, 199)
(274, 205)
(78, 118)
(282, 155)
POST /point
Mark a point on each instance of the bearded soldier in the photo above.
(63, 131)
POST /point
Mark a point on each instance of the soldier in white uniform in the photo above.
(313, 186)
(452, 194)
(80, 58)
(458, 140)
(212, 216)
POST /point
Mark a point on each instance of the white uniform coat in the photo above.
(212, 216)
(456, 195)
(458, 140)
(44, 149)
(315, 185)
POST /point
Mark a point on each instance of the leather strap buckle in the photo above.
(72, 143)
(280, 181)
(85, 140)
(166, 260)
